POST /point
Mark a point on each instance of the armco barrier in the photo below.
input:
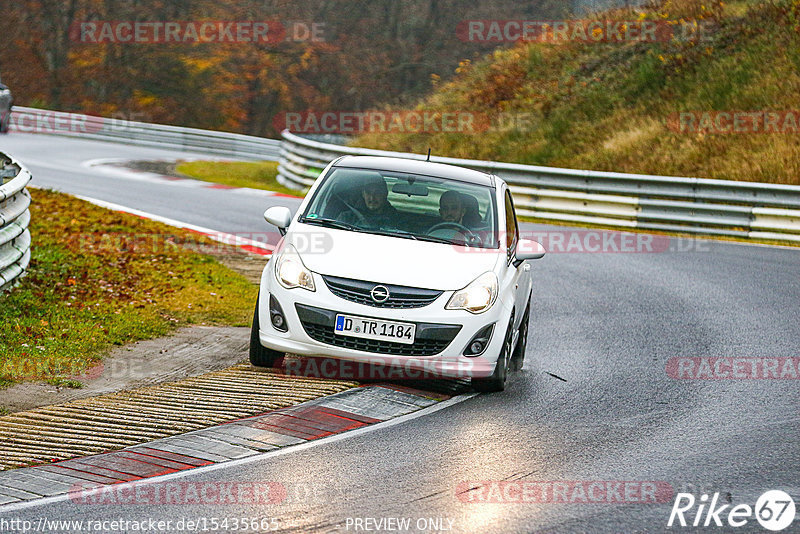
(15, 239)
(662, 203)
(31, 120)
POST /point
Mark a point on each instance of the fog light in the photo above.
(276, 316)
(479, 342)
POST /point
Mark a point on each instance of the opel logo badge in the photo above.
(379, 294)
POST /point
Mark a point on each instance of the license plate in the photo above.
(380, 330)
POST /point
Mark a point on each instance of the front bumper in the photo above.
(440, 340)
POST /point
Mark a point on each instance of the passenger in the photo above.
(451, 207)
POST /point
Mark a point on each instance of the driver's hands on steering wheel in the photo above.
(471, 237)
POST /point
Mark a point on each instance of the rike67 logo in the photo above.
(774, 510)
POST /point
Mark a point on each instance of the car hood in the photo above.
(390, 260)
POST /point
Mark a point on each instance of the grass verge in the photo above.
(256, 175)
(614, 106)
(100, 278)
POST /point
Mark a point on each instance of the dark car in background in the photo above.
(6, 101)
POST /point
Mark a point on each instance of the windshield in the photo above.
(409, 206)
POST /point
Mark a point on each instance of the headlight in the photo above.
(290, 271)
(477, 297)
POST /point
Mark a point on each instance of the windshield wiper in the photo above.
(331, 223)
(395, 233)
(433, 239)
(465, 243)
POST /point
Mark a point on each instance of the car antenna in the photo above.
(429, 154)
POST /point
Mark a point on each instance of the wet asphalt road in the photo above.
(60, 163)
(594, 401)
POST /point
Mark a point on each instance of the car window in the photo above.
(512, 230)
(411, 206)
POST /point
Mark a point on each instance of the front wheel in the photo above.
(497, 380)
(261, 356)
(518, 356)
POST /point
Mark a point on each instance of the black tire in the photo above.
(261, 356)
(497, 380)
(518, 356)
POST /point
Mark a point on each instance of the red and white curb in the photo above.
(250, 245)
(117, 167)
(326, 419)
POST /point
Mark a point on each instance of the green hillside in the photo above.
(613, 105)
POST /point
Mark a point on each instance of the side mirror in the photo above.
(528, 250)
(279, 216)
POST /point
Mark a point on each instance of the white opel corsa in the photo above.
(408, 263)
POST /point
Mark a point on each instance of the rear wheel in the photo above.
(497, 380)
(518, 356)
(261, 356)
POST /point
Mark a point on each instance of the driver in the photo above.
(451, 207)
(377, 209)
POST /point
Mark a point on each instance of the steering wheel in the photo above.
(471, 237)
(359, 215)
(363, 221)
(454, 225)
(348, 207)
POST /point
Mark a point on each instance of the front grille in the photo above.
(324, 334)
(430, 338)
(399, 296)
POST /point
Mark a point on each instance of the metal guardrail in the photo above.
(15, 239)
(31, 120)
(661, 203)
